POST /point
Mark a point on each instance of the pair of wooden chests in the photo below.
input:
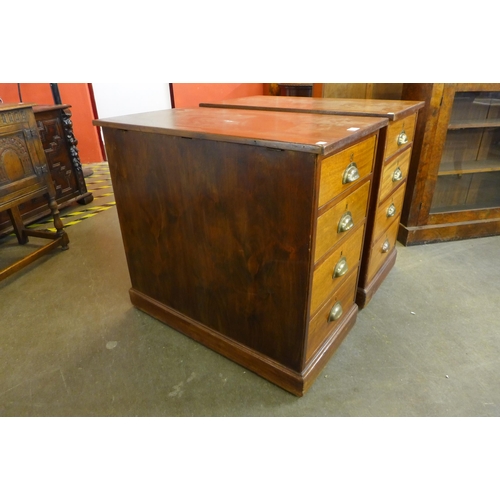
(259, 226)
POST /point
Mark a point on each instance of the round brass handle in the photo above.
(351, 173)
(335, 312)
(340, 268)
(402, 138)
(397, 175)
(345, 223)
(391, 211)
(386, 246)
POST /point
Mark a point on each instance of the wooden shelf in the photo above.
(474, 124)
(469, 167)
(465, 207)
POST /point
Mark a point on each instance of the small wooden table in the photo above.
(24, 175)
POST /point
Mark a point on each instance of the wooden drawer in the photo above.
(320, 325)
(334, 169)
(395, 133)
(394, 174)
(381, 249)
(327, 230)
(324, 279)
(388, 211)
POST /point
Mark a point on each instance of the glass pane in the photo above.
(469, 172)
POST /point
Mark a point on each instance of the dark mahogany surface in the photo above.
(312, 133)
(391, 109)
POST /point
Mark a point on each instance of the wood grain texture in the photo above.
(352, 100)
(390, 109)
(312, 133)
(388, 184)
(327, 234)
(320, 326)
(382, 220)
(406, 125)
(366, 292)
(377, 254)
(24, 175)
(429, 193)
(220, 229)
(438, 233)
(333, 168)
(59, 144)
(324, 283)
(233, 258)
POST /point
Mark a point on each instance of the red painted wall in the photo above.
(189, 95)
(186, 95)
(75, 94)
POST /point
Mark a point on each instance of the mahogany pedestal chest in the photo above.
(390, 172)
(244, 229)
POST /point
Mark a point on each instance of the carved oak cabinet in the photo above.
(60, 147)
(24, 175)
(237, 226)
(390, 171)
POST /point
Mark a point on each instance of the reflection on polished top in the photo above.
(392, 109)
(313, 133)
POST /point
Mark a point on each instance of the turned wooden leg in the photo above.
(60, 232)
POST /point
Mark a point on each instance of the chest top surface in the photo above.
(391, 109)
(312, 133)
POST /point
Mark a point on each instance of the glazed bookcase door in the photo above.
(467, 159)
(469, 172)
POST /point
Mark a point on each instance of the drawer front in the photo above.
(329, 231)
(323, 323)
(381, 249)
(394, 174)
(344, 169)
(336, 268)
(399, 134)
(388, 212)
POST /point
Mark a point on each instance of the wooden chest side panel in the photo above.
(220, 232)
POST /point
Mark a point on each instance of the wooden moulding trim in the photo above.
(264, 366)
(287, 106)
(365, 294)
(287, 379)
(448, 232)
(146, 126)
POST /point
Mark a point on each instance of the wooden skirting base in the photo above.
(365, 293)
(280, 375)
(419, 235)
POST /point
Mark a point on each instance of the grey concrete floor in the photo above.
(71, 344)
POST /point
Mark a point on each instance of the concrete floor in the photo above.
(71, 344)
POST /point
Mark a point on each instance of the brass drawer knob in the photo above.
(345, 223)
(340, 268)
(397, 175)
(391, 211)
(386, 246)
(351, 173)
(335, 312)
(402, 139)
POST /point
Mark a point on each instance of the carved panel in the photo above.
(14, 116)
(15, 162)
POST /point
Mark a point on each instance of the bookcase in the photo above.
(454, 186)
